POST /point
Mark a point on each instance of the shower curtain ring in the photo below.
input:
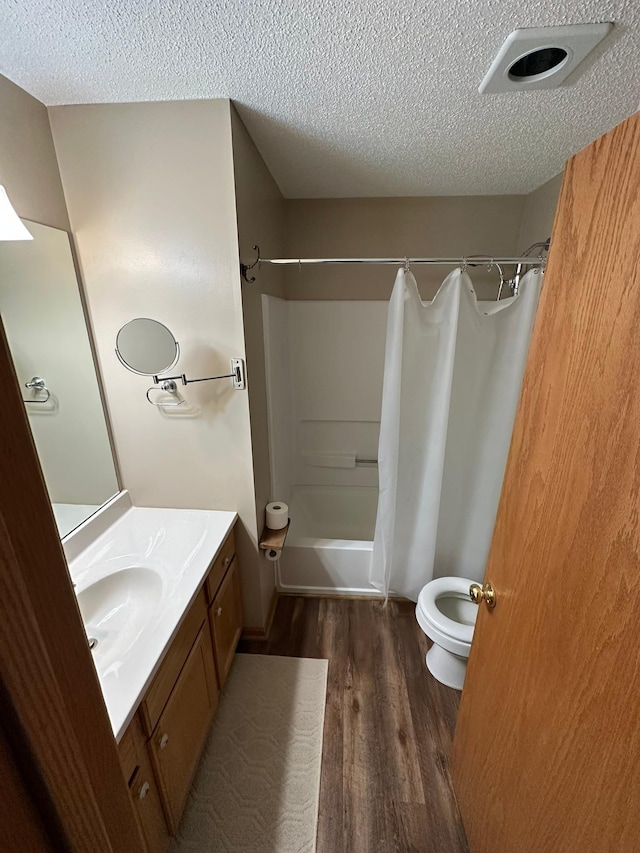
(463, 268)
(407, 265)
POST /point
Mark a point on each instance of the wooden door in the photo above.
(52, 713)
(547, 747)
(24, 828)
(183, 726)
(226, 621)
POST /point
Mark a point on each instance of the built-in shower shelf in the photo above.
(274, 539)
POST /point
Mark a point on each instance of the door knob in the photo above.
(484, 593)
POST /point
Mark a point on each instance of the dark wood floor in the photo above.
(388, 727)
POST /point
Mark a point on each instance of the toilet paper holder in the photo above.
(273, 540)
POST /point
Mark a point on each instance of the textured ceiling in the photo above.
(362, 98)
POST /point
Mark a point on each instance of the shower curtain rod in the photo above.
(468, 261)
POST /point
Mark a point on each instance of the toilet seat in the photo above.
(433, 616)
(447, 657)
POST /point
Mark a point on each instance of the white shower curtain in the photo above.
(452, 377)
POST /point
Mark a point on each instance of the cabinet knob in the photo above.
(144, 790)
(226, 562)
(219, 611)
(164, 740)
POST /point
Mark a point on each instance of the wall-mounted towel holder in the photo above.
(38, 386)
(169, 387)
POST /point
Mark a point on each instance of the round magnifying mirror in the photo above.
(146, 346)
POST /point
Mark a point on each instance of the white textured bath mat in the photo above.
(258, 784)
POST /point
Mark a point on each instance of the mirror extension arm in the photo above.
(237, 375)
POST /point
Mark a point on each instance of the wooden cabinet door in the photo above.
(547, 746)
(182, 728)
(226, 621)
(165, 679)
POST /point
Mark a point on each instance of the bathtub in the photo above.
(330, 541)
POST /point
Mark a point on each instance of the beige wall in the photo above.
(150, 193)
(260, 220)
(443, 226)
(28, 166)
(539, 211)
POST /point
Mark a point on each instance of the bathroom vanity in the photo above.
(160, 597)
(161, 747)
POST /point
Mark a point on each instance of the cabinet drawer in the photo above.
(162, 685)
(225, 615)
(220, 565)
(181, 731)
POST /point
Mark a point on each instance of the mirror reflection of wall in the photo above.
(45, 325)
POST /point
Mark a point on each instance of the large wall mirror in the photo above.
(45, 324)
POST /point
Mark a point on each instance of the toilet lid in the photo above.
(439, 588)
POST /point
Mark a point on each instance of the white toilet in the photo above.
(447, 615)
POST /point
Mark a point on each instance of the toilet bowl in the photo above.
(447, 616)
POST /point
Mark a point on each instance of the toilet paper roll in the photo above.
(273, 554)
(277, 515)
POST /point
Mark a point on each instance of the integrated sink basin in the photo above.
(134, 584)
(117, 609)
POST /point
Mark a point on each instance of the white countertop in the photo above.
(135, 583)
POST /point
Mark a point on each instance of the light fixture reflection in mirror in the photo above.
(147, 347)
(11, 226)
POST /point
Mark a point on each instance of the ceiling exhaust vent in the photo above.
(541, 57)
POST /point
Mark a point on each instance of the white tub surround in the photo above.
(326, 566)
(324, 365)
(330, 541)
(135, 583)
